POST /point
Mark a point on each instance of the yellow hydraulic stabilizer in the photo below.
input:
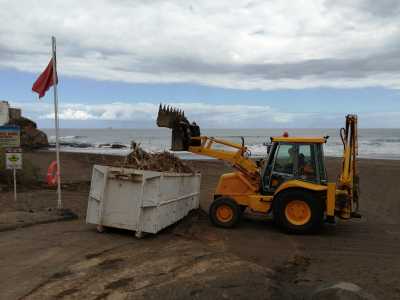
(348, 183)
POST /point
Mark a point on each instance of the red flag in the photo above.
(45, 80)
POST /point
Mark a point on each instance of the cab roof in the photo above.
(294, 139)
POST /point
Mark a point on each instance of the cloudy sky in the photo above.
(227, 63)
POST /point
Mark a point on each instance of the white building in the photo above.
(4, 112)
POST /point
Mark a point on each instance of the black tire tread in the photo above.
(317, 211)
(226, 201)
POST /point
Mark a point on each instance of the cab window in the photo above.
(267, 168)
(320, 163)
(306, 163)
(284, 162)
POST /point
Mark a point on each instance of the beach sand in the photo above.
(365, 252)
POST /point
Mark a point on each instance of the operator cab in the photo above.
(293, 158)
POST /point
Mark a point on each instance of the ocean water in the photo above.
(373, 143)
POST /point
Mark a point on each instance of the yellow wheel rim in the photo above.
(298, 212)
(224, 213)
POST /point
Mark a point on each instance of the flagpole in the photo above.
(53, 42)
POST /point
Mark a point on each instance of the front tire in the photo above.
(224, 212)
(298, 211)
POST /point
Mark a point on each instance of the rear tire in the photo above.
(298, 211)
(225, 212)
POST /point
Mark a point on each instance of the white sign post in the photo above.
(14, 162)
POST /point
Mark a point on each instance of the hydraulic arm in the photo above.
(348, 179)
(236, 158)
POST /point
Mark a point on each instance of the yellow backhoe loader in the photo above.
(291, 183)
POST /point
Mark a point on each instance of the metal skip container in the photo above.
(140, 200)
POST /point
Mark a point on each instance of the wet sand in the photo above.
(365, 252)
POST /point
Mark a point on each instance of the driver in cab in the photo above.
(305, 168)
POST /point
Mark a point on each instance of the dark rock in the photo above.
(104, 145)
(31, 137)
(118, 146)
(113, 146)
(72, 145)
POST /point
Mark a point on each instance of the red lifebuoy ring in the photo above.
(52, 174)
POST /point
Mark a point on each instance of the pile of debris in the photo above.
(161, 162)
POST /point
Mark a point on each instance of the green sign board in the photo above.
(13, 158)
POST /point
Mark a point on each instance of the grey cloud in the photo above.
(326, 68)
(378, 8)
(258, 32)
(381, 8)
(245, 44)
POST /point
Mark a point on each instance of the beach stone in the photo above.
(118, 146)
(341, 291)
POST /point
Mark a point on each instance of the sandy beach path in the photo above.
(66, 258)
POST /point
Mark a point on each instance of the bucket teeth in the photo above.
(166, 109)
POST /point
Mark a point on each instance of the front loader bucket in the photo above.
(182, 130)
(168, 116)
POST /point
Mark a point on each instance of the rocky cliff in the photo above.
(31, 136)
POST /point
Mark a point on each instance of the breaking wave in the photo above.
(375, 143)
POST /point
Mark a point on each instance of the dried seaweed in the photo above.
(161, 162)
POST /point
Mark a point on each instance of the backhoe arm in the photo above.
(236, 158)
(348, 178)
